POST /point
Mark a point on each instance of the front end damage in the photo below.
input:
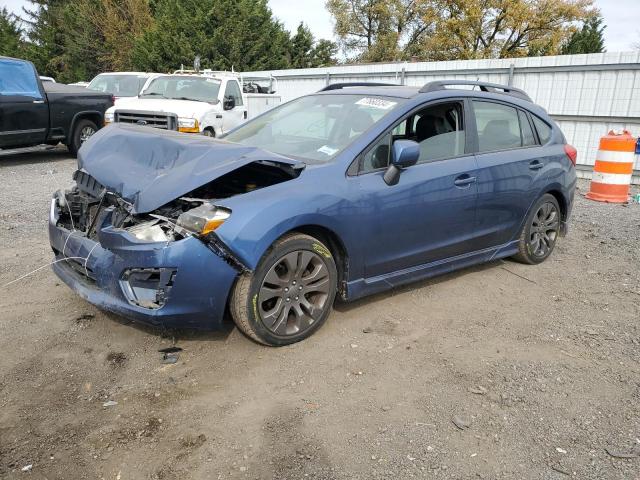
(144, 268)
(144, 244)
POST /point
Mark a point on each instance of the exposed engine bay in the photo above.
(88, 204)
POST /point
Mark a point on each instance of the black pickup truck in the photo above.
(33, 112)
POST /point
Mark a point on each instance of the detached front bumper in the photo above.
(181, 284)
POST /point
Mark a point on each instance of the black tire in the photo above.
(303, 300)
(79, 135)
(540, 231)
(209, 132)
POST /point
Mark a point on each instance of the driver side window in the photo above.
(438, 129)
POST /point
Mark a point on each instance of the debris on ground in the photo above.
(620, 454)
(110, 403)
(460, 422)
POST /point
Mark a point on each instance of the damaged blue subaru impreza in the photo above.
(350, 191)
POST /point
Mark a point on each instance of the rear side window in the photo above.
(528, 138)
(498, 126)
(18, 78)
(544, 130)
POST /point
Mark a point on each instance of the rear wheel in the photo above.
(540, 231)
(82, 131)
(290, 295)
(209, 132)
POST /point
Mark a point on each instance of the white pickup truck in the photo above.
(209, 103)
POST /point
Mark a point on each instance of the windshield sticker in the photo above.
(380, 103)
(326, 149)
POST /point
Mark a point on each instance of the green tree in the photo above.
(589, 39)
(238, 34)
(45, 35)
(324, 53)
(302, 47)
(305, 52)
(11, 44)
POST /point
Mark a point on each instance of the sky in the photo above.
(620, 16)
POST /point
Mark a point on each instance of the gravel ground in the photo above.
(538, 367)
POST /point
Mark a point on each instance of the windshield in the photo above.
(199, 89)
(118, 85)
(316, 127)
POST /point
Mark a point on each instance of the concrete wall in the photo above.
(588, 95)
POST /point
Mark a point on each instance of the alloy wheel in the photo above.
(294, 293)
(85, 133)
(544, 229)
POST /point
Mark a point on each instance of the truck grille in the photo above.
(150, 119)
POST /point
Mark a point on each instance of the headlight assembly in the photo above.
(203, 219)
(188, 125)
(108, 117)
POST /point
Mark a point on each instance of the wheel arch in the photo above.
(335, 244)
(560, 198)
(92, 115)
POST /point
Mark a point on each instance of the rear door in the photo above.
(24, 113)
(236, 115)
(429, 215)
(511, 170)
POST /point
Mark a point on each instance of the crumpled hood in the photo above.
(149, 167)
(180, 108)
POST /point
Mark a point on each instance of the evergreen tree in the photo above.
(324, 53)
(45, 35)
(238, 34)
(10, 34)
(589, 39)
(302, 51)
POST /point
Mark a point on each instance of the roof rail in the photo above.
(484, 86)
(340, 86)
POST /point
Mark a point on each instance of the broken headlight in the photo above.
(148, 232)
(203, 219)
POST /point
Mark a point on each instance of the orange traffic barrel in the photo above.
(612, 172)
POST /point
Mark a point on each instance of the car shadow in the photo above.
(33, 155)
(175, 334)
(346, 306)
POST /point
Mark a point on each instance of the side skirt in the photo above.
(369, 286)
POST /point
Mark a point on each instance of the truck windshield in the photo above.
(179, 87)
(315, 128)
(118, 85)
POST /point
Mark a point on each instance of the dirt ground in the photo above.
(539, 366)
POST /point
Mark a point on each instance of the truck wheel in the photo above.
(208, 132)
(289, 295)
(82, 131)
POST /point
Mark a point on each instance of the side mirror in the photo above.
(404, 154)
(229, 103)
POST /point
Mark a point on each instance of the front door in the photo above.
(24, 113)
(429, 215)
(236, 115)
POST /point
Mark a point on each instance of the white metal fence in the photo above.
(587, 95)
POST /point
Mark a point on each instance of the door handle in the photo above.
(464, 181)
(38, 101)
(536, 165)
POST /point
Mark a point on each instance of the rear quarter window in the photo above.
(543, 129)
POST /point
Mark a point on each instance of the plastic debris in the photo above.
(109, 403)
(27, 468)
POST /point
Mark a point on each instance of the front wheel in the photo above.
(290, 295)
(82, 131)
(540, 231)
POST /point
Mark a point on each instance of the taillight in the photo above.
(113, 99)
(572, 153)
